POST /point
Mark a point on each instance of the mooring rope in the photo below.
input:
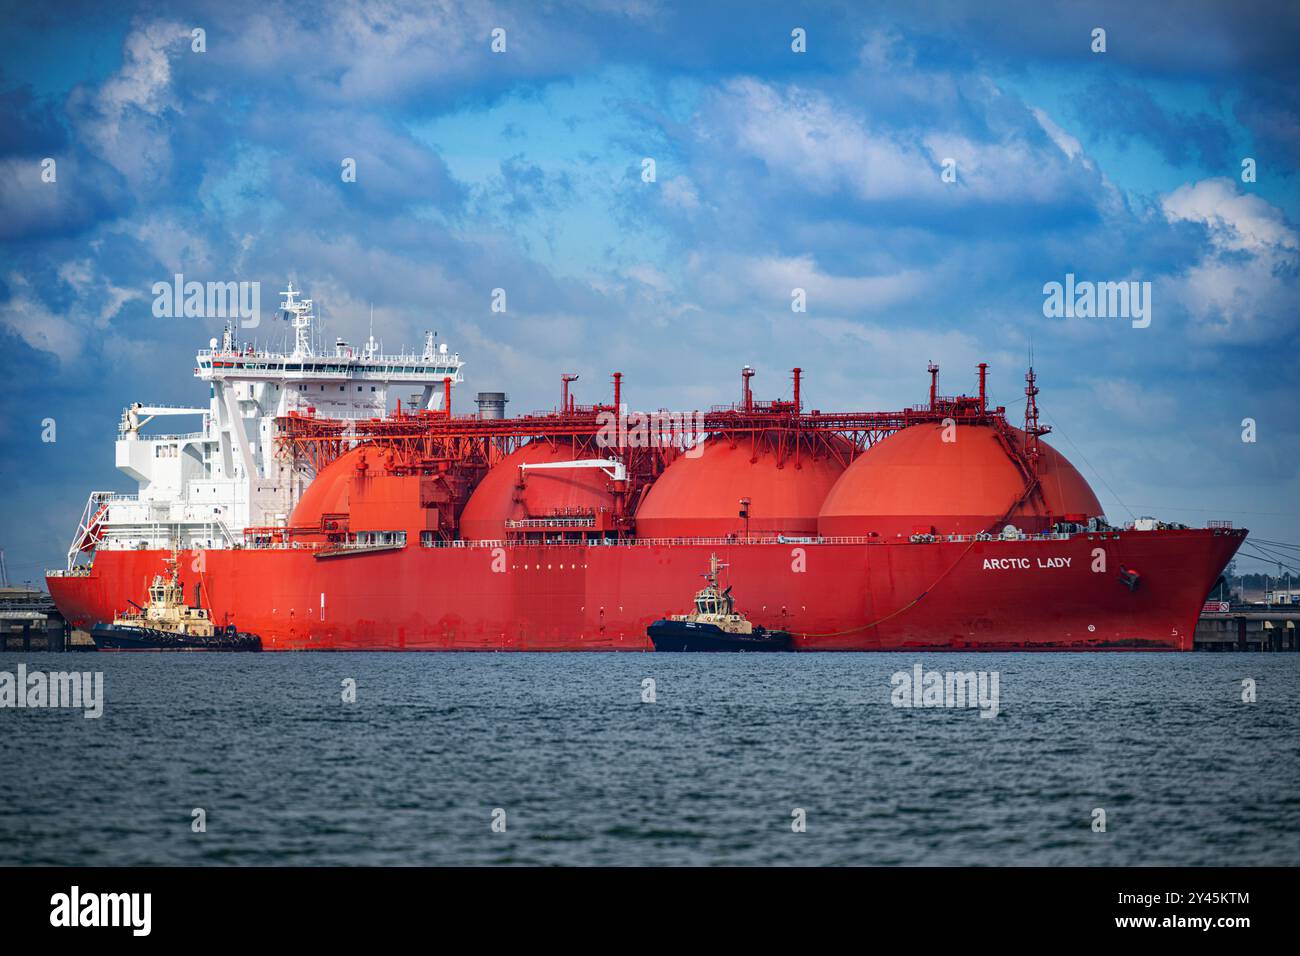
(1030, 487)
(908, 606)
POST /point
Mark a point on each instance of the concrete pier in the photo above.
(29, 621)
(1249, 627)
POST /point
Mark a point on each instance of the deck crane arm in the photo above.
(132, 420)
(616, 470)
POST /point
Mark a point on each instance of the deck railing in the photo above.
(429, 541)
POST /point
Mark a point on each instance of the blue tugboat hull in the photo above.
(111, 637)
(669, 635)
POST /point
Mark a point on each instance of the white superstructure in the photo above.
(202, 488)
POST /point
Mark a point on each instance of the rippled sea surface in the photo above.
(711, 772)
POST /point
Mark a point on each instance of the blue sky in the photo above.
(775, 170)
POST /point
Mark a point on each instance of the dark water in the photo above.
(710, 773)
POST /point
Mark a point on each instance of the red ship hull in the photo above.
(959, 595)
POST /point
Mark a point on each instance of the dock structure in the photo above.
(1248, 627)
(29, 621)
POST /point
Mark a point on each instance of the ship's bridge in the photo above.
(348, 382)
(344, 385)
(201, 488)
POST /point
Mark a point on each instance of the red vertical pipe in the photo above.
(984, 370)
(797, 373)
(446, 396)
(618, 393)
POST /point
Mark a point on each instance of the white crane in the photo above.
(132, 420)
(616, 470)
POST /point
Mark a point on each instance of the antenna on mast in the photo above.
(301, 317)
(371, 346)
(1033, 430)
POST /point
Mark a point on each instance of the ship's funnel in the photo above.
(491, 405)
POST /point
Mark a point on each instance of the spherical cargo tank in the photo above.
(328, 494)
(914, 481)
(544, 492)
(360, 492)
(700, 497)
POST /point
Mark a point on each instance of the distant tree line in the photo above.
(1232, 584)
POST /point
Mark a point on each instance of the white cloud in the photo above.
(1132, 402)
(177, 247)
(648, 275)
(1236, 220)
(377, 52)
(824, 148)
(1240, 288)
(36, 325)
(800, 134)
(679, 192)
(95, 301)
(774, 277)
(885, 51)
(721, 280)
(124, 121)
(1066, 143)
(33, 207)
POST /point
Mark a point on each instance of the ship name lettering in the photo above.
(1023, 564)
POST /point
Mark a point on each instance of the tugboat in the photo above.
(714, 625)
(167, 623)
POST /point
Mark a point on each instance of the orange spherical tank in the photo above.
(700, 497)
(914, 481)
(328, 493)
(498, 497)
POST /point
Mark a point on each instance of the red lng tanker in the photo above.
(941, 526)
